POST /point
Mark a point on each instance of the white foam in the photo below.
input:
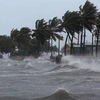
(9, 65)
(43, 60)
(28, 65)
(84, 62)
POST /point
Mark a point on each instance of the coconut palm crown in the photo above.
(88, 14)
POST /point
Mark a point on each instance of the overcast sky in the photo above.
(24, 13)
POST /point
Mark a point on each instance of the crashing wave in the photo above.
(58, 95)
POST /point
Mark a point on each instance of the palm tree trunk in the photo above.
(92, 43)
(84, 41)
(65, 45)
(78, 39)
(58, 47)
(97, 42)
(51, 46)
(48, 46)
(81, 42)
(71, 50)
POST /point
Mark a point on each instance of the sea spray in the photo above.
(82, 62)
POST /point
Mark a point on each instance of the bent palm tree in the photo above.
(71, 23)
(54, 26)
(88, 18)
(40, 33)
(21, 38)
(46, 31)
(97, 32)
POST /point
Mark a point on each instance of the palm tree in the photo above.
(21, 38)
(97, 31)
(6, 44)
(46, 31)
(40, 33)
(71, 23)
(54, 26)
(88, 18)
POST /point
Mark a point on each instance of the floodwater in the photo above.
(76, 78)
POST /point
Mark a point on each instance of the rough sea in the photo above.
(75, 78)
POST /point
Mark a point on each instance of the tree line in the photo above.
(34, 41)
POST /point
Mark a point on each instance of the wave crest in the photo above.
(58, 95)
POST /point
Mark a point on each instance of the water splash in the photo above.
(83, 62)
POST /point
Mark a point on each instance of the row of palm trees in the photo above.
(72, 23)
(43, 32)
(80, 21)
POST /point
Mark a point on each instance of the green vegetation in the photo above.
(26, 41)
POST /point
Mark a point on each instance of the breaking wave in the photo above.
(58, 95)
(82, 62)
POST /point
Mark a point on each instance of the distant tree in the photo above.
(6, 45)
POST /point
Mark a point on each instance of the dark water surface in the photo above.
(76, 78)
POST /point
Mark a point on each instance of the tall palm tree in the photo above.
(44, 31)
(71, 23)
(88, 17)
(97, 31)
(40, 33)
(54, 26)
